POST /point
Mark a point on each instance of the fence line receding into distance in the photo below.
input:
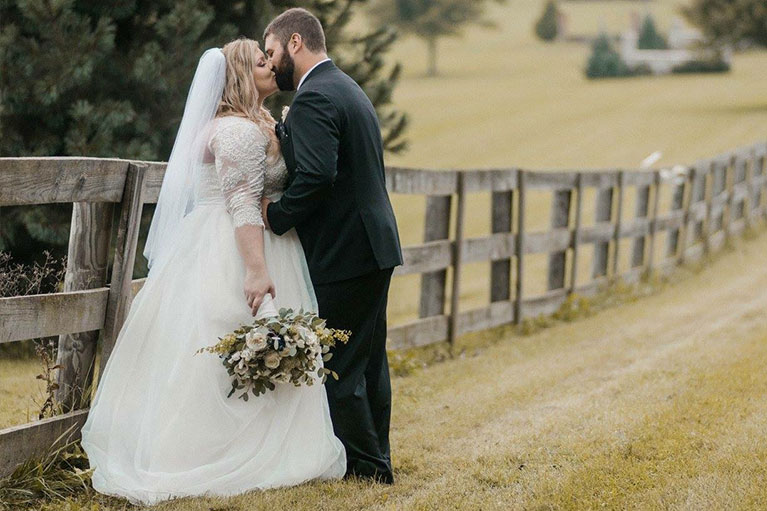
(712, 200)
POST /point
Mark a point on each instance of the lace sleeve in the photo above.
(239, 148)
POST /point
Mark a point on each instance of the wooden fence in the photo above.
(711, 201)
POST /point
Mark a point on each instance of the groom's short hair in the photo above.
(298, 21)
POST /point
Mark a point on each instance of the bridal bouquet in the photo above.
(278, 347)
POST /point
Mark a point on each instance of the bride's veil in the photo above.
(179, 185)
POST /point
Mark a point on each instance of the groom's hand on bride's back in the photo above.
(257, 286)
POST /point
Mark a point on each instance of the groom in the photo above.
(337, 201)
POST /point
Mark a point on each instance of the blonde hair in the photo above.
(240, 97)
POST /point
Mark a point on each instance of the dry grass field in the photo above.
(658, 404)
(504, 99)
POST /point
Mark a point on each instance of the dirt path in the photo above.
(657, 404)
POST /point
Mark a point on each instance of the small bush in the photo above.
(546, 27)
(605, 61)
(649, 38)
(702, 66)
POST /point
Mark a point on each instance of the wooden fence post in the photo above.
(748, 201)
(730, 178)
(455, 293)
(602, 248)
(709, 181)
(576, 231)
(638, 250)
(560, 216)
(677, 204)
(87, 263)
(500, 271)
(761, 163)
(120, 294)
(757, 169)
(437, 227)
(654, 221)
(687, 198)
(618, 223)
(520, 247)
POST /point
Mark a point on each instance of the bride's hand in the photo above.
(257, 285)
(264, 207)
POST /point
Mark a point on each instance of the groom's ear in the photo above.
(295, 43)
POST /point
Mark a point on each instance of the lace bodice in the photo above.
(240, 174)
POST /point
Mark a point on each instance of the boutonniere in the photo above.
(285, 111)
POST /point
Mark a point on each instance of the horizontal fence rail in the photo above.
(711, 201)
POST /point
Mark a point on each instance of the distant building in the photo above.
(685, 45)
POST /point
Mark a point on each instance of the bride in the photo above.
(160, 425)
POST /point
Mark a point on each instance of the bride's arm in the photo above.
(240, 153)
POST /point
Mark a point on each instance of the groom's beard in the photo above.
(283, 72)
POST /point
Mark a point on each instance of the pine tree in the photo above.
(604, 60)
(546, 27)
(649, 38)
(431, 19)
(110, 79)
(726, 22)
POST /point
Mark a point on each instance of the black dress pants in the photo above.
(360, 401)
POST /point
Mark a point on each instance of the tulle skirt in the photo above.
(160, 425)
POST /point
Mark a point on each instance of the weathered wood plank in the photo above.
(638, 229)
(674, 220)
(120, 288)
(429, 257)
(418, 333)
(87, 262)
(19, 443)
(639, 178)
(500, 269)
(604, 208)
(521, 242)
(602, 231)
(553, 180)
(670, 221)
(618, 222)
(437, 227)
(560, 217)
(496, 314)
(545, 304)
(577, 231)
(421, 181)
(547, 241)
(155, 171)
(29, 317)
(716, 240)
(60, 179)
(600, 179)
(654, 221)
(455, 293)
(496, 180)
(694, 252)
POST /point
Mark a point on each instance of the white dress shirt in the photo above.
(310, 70)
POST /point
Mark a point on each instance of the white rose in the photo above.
(282, 378)
(272, 360)
(255, 340)
(285, 111)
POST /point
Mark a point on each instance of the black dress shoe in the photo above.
(378, 477)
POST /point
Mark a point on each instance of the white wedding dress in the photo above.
(160, 425)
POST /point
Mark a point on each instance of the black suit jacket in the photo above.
(336, 197)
